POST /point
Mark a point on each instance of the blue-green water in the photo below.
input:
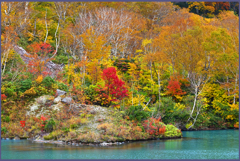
(217, 144)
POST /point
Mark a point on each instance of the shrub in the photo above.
(3, 97)
(137, 113)
(48, 82)
(56, 134)
(154, 127)
(171, 112)
(4, 130)
(49, 125)
(6, 119)
(236, 125)
(9, 92)
(172, 131)
(65, 129)
(25, 85)
(73, 126)
(41, 90)
(174, 87)
(61, 59)
(97, 95)
(39, 79)
(62, 86)
(30, 92)
(48, 137)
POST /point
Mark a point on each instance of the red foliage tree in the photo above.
(115, 87)
(174, 87)
(40, 55)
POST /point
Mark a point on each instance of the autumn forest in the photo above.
(128, 70)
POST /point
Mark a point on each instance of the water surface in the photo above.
(217, 144)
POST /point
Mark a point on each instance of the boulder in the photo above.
(57, 100)
(60, 92)
(67, 100)
(16, 138)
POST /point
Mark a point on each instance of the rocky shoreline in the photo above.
(77, 143)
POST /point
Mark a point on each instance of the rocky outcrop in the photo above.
(44, 105)
(67, 100)
(60, 92)
(51, 67)
(57, 100)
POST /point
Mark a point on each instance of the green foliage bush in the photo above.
(4, 130)
(9, 92)
(62, 86)
(25, 85)
(59, 59)
(137, 113)
(73, 126)
(5, 119)
(48, 82)
(172, 131)
(65, 129)
(93, 96)
(91, 92)
(171, 114)
(10, 89)
(50, 125)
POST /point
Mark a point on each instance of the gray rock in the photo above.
(67, 100)
(44, 99)
(57, 100)
(51, 67)
(16, 138)
(60, 92)
(76, 144)
(104, 144)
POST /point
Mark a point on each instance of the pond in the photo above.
(216, 144)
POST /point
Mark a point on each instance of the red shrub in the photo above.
(3, 97)
(153, 127)
(174, 87)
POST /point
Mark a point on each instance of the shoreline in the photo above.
(78, 143)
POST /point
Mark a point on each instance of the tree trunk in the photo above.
(46, 27)
(159, 89)
(234, 101)
(194, 103)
